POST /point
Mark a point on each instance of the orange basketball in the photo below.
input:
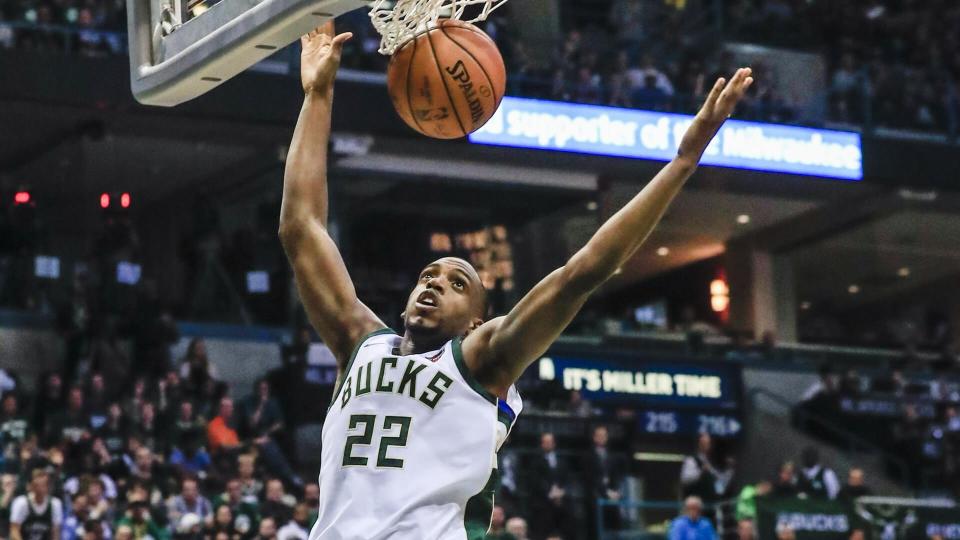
(447, 81)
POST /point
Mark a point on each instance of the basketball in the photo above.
(448, 81)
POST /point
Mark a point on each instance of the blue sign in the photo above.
(662, 384)
(609, 131)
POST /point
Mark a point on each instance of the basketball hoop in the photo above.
(397, 21)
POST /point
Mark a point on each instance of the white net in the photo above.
(399, 20)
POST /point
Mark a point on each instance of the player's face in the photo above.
(447, 301)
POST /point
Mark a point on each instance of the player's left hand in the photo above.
(724, 96)
(320, 58)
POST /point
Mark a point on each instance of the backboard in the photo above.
(175, 58)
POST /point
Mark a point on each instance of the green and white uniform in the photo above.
(410, 447)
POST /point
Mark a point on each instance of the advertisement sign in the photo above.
(879, 518)
(810, 519)
(642, 382)
(628, 133)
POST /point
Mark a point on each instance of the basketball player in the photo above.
(410, 439)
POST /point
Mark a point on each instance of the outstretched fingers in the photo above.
(325, 29)
(715, 92)
(739, 84)
(311, 39)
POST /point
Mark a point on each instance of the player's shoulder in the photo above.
(382, 336)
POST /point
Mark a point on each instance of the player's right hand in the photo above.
(320, 58)
(724, 97)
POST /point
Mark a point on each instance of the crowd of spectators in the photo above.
(890, 62)
(895, 62)
(646, 55)
(86, 27)
(557, 489)
(168, 453)
(708, 490)
(149, 457)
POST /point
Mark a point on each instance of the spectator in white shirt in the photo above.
(36, 515)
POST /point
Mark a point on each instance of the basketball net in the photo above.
(399, 20)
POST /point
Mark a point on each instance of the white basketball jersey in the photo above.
(410, 447)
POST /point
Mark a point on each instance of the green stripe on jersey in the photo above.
(353, 356)
(479, 509)
(467, 376)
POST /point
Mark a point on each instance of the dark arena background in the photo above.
(785, 346)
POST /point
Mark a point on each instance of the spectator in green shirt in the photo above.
(246, 518)
(311, 497)
(747, 501)
(137, 517)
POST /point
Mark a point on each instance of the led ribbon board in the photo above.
(609, 131)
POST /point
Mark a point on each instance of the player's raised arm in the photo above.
(326, 290)
(500, 350)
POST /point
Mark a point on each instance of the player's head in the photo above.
(449, 300)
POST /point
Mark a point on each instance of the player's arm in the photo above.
(326, 290)
(500, 350)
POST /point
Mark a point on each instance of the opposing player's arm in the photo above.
(500, 350)
(326, 290)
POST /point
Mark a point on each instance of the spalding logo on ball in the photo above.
(447, 81)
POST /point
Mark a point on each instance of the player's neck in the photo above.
(417, 343)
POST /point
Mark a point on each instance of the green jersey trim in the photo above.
(479, 509)
(353, 356)
(467, 376)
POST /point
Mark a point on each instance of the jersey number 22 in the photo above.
(365, 438)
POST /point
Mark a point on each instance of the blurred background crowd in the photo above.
(890, 63)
